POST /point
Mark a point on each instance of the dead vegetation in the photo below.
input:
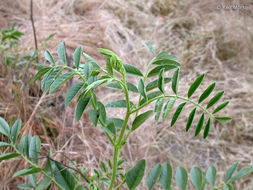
(206, 39)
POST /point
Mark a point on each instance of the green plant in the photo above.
(118, 130)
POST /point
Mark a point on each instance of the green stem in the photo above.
(36, 166)
(118, 145)
(173, 96)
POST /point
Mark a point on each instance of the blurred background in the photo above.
(208, 36)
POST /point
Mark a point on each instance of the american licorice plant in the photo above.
(111, 176)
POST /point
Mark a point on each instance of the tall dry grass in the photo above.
(206, 39)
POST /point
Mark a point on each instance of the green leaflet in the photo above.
(220, 107)
(118, 123)
(141, 89)
(165, 55)
(34, 149)
(195, 85)
(61, 51)
(167, 108)
(8, 156)
(231, 171)
(91, 61)
(207, 92)
(102, 111)
(132, 70)
(140, 119)
(77, 57)
(135, 174)
(49, 57)
(151, 49)
(110, 129)
(243, 172)
(24, 145)
(4, 144)
(175, 81)
(157, 69)
(51, 77)
(207, 128)
(151, 96)
(154, 84)
(63, 176)
(93, 115)
(25, 172)
(168, 62)
(82, 104)
(196, 177)
(190, 119)
(158, 108)
(166, 176)
(223, 120)
(109, 68)
(42, 85)
(211, 175)
(161, 81)
(118, 104)
(4, 127)
(61, 80)
(215, 99)
(116, 86)
(72, 92)
(228, 187)
(43, 184)
(25, 186)
(86, 70)
(181, 178)
(200, 124)
(40, 73)
(153, 176)
(177, 113)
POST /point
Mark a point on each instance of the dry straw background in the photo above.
(207, 40)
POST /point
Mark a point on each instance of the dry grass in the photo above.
(217, 42)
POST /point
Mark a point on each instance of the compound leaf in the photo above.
(195, 85)
(135, 174)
